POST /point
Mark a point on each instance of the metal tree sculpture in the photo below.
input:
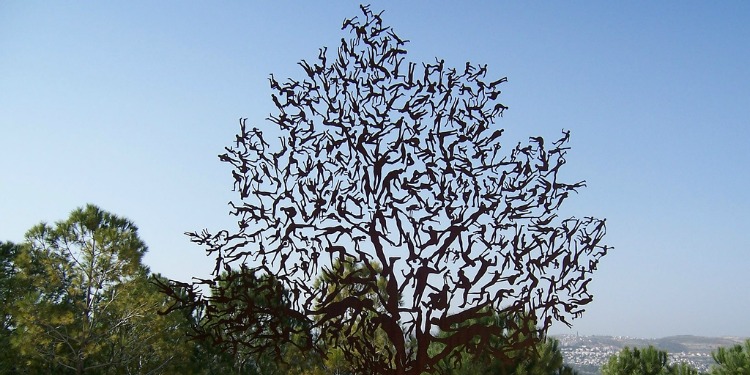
(395, 170)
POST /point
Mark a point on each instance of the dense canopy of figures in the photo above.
(397, 169)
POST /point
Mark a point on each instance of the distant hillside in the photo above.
(588, 353)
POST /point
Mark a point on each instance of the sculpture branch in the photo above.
(389, 183)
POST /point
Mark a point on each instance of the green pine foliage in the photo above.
(9, 289)
(732, 361)
(644, 361)
(75, 298)
(84, 302)
(523, 355)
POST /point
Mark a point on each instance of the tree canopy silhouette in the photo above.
(397, 168)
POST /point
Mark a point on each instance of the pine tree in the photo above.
(88, 306)
(732, 361)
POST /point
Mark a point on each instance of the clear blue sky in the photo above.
(126, 105)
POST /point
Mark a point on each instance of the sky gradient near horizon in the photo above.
(126, 105)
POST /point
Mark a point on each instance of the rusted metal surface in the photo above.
(386, 181)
